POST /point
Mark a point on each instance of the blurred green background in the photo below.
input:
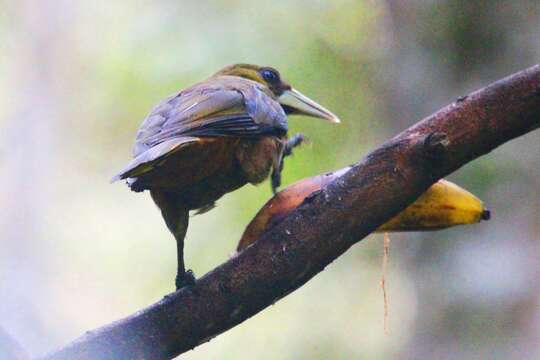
(78, 77)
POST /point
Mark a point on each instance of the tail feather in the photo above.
(144, 162)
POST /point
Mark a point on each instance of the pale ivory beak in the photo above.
(301, 104)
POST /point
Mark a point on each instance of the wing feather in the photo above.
(145, 162)
(223, 106)
(228, 106)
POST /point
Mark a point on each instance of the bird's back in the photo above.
(207, 140)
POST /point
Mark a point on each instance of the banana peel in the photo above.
(443, 205)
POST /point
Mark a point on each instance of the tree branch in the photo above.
(323, 227)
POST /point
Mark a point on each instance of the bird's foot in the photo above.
(185, 279)
(294, 141)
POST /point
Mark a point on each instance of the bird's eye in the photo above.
(270, 75)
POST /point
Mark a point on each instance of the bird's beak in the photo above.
(295, 102)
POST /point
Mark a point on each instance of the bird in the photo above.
(213, 138)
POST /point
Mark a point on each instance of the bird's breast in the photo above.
(258, 156)
(251, 162)
(203, 172)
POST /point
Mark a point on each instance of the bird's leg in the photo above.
(176, 216)
(291, 143)
(179, 229)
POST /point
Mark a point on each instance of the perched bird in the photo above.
(212, 138)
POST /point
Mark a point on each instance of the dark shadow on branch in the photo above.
(323, 227)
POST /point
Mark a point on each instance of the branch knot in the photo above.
(435, 145)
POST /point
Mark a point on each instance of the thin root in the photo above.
(386, 253)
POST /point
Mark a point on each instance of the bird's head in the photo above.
(292, 101)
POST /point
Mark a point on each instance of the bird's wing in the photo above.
(144, 162)
(228, 106)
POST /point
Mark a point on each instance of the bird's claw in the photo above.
(185, 279)
(294, 141)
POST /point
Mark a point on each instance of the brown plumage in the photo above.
(213, 138)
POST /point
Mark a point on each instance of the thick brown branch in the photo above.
(323, 227)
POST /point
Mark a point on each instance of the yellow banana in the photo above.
(443, 205)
